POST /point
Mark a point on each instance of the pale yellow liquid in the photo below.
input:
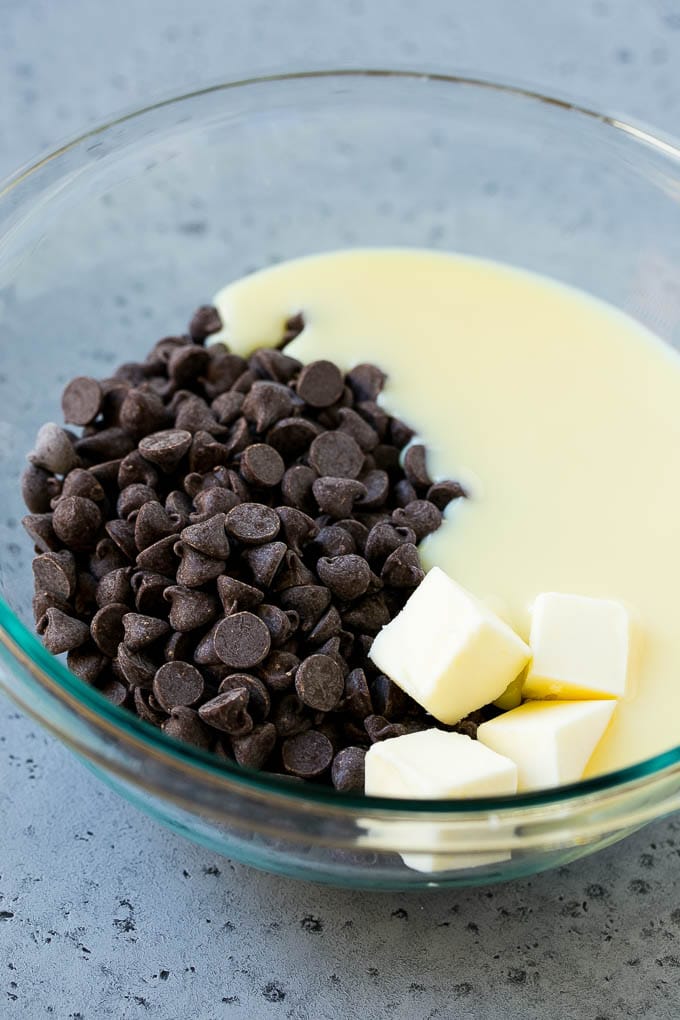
(560, 415)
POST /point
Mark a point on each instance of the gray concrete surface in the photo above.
(105, 914)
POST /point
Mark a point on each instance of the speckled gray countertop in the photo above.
(105, 914)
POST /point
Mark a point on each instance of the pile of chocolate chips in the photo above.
(219, 546)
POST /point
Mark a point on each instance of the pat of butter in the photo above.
(549, 741)
(447, 650)
(437, 764)
(580, 648)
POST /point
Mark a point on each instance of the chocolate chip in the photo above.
(159, 558)
(133, 497)
(205, 321)
(366, 381)
(266, 403)
(134, 469)
(264, 561)
(378, 728)
(106, 444)
(107, 627)
(319, 683)
(320, 384)
(384, 538)
(138, 670)
(404, 492)
(204, 652)
(184, 724)
(348, 576)
(292, 436)
(140, 631)
(415, 467)
(402, 568)
(244, 381)
(114, 691)
(148, 588)
(443, 493)
(85, 600)
(55, 572)
(293, 572)
(44, 600)
(105, 558)
(262, 466)
(242, 640)
(278, 670)
(176, 684)
(297, 527)
(388, 699)
(114, 587)
(294, 326)
(235, 594)
(357, 697)
(80, 482)
(208, 537)
(213, 501)
(195, 416)
(166, 448)
(309, 601)
(337, 496)
(348, 770)
(336, 454)
(252, 523)
(377, 485)
(222, 372)
(196, 569)
(228, 712)
(307, 755)
(386, 458)
(61, 633)
(296, 487)
(358, 428)
(259, 702)
(328, 626)
(207, 453)
(39, 529)
(76, 522)
(179, 646)
(143, 708)
(35, 489)
(86, 662)
(368, 615)
(190, 609)
(187, 363)
(268, 363)
(53, 450)
(141, 412)
(152, 523)
(122, 535)
(421, 516)
(253, 750)
(333, 541)
(227, 407)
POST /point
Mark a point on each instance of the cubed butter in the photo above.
(580, 648)
(549, 741)
(447, 650)
(436, 764)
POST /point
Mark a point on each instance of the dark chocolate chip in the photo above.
(357, 696)
(262, 466)
(378, 728)
(55, 572)
(307, 755)
(208, 537)
(133, 497)
(333, 541)
(228, 712)
(264, 561)
(177, 683)
(166, 448)
(44, 600)
(152, 523)
(388, 699)
(415, 466)
(85, 599)
(148, 588)
(291, 717)
(309, 601)
(76, 522)
(143, 708)
(253, 750)
(292, 436)
(133, 470)
(113, 690)
(336, 454)
(268, 363)
(82, 400)
(185, 724)
(348, 576)
(61, 633)
(107, 627)
(368, 615)
(281, 625)
(187, 363)
(141, 412)
(105, 558)
(122, 534)
(296, 487)
(252, 523)
(196, 569)
(235, 594)
(35, 489)
(267, 403)
(204, 652)
(194, 415)
(358, 428)
(53, 450)
(39, 529)
(138, 670)
(404, 492)
(213, 501)
(227, 407)
(179, 645)
(87, 662)
(443, 493)
(402, 568)
(114, 587)
(421, 516)
(80, 482)
(205, 321)
(190, 609)
(337, 496)
(327, 627)
(294, 326)
(293, 573)
(384, 538)
(278, 670)
(400, 433)
(377, 484)
(366, 381)
(140, 631)
(159, 558)
(259, 701)
(222, 372)
(320, 384)
(319, 682)
(107, 444)
(348, 770)
(244, 381)
(242, 640)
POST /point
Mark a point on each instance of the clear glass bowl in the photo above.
(110, 243)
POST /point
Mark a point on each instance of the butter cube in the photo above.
(580, 648)
(437, 764)
(447, 650)
(549, 741)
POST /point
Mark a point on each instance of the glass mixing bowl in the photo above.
(111, 241)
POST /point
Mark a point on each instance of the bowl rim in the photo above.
(52, 674)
